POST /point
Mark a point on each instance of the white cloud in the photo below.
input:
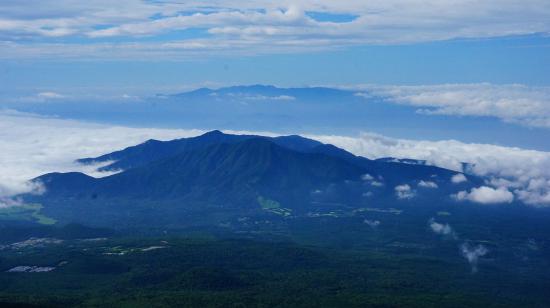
(50, 95)
(511, 168)
(536, 192)
(273, 98)
(40, 97)
(281, 26)
(404, 192)
(367, 177)
(32, 146)
(473, 253)
(458, 178)
(486, 195)
(526, 105)
(372, 223)
(9, 202)
(428, 184)
(376, 184)
(438, 228)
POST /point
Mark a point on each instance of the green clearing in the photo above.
(26, 212)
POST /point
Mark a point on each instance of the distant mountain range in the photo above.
(217, 176)
(267, 92)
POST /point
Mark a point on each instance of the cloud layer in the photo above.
(33, 145)
(525, 173)
(520, 104)
(191, 27)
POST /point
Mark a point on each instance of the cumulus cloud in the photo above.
(526, 105)
(438, 228)
(367, 177)
(473, 253)
(525, 173)
(427, 184)
(486, 195)
(470, 252)
(376, 184)
(373, 181)
(458, 178)
(404, 192)
(535, 194)
(372, 223)
(255, 26)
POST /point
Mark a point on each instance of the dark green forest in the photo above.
(309, 266)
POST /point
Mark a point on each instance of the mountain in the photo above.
(402, 160)
(152, 150)
(231, 171)
(266, 92)
(219, 176)
(231, 215)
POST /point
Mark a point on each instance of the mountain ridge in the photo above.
(223, 175)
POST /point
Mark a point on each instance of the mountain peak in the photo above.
(213, 133)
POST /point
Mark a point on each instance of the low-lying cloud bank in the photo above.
(32, 145)
(513, 172)
(515, 103)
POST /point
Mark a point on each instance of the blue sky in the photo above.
(523, 60)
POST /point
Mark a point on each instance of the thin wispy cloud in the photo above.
(516, 103)
(473, 253)
(248, 26)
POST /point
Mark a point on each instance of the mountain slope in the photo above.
(218, 176)
(221, 171)
(152, 150)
